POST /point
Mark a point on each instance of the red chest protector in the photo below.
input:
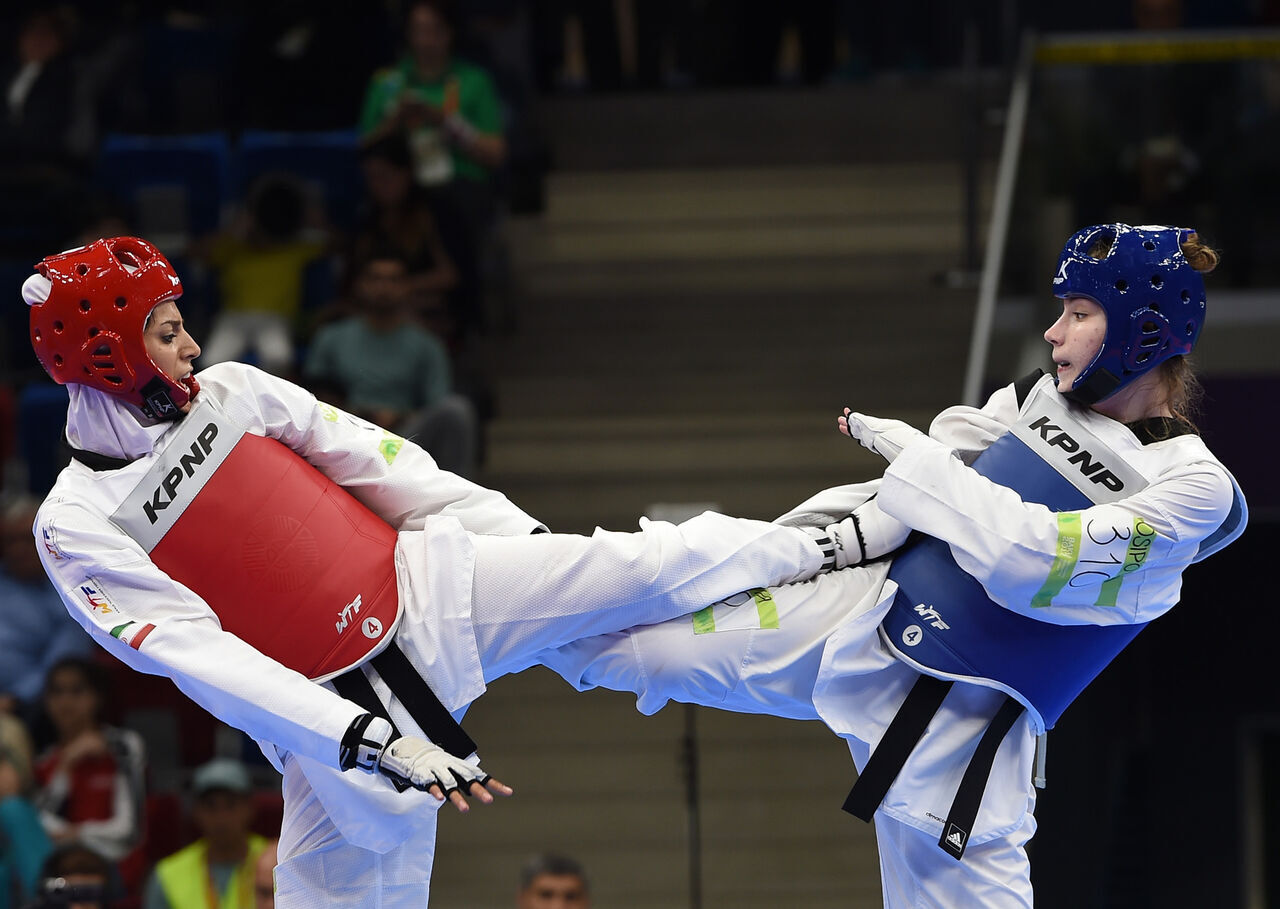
(290, 562)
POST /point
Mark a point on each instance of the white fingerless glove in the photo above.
(422, 765)
(370, 745)
(886, 438)
(866, 533)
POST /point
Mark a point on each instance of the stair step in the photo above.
(612, 447)
(890, 192)
(689, 335)
(575, 473)
(841, 124)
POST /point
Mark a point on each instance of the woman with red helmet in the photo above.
(1046, 529)
(317, 581)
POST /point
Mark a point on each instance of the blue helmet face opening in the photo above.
(1153, 298)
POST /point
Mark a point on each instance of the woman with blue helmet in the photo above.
(1029, 540)
(1147, 281)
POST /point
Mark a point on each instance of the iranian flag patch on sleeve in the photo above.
(133, 633)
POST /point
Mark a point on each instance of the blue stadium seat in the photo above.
(328, 161)
(15, 342)
(42, 416)
(177, 185)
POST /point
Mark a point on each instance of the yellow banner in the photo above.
(1189, 50)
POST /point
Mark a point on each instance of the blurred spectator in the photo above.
(580, 45)
(260, 266)
(1164, 144)
(451, 114)
(1144, 132)
(264, 887)
(23, 842)
(220, 868)
(18, 751)
(399, 220)
(900, 39)
(380, 365)
(665, 44)
(110, 93)
(498, 35)
(39, 188)
(75, 877)
(91, 778)
(37, 630)
(301, 64)
(551, 881)
(448, 107)
(1248, 190)
(38, 88)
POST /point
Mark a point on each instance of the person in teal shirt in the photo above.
(381, 365)
(23, 843)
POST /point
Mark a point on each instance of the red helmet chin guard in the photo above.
(90, 329)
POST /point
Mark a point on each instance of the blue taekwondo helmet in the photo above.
(1153, 298)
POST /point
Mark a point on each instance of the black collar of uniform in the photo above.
(95, 461)
(1151, 429)
(1157, 429)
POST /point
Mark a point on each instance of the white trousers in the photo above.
(237, 333)
(766, 656)
(528, 594)
(916, 874)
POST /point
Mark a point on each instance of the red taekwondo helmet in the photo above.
(1154, 300)
(90, 328)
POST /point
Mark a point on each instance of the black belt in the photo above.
(964, 807)
(900, 739)
(412, 690)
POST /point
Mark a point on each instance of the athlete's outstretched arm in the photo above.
(1106, 564)
(156, 625)
(392, 476)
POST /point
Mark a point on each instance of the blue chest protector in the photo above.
(943, 623)
(1042, 665)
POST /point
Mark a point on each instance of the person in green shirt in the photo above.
(448, 107)
(452, 117)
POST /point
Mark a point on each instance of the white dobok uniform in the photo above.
(478, 597)
(812, 650)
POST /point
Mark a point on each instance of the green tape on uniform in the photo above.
(1139, 545)
(1110, 591)
(704, 621)
(1064, 563)
(119, 629)
(390, 446)
(766, 607)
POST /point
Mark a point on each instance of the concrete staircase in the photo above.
(687, 322)
(692, 334)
